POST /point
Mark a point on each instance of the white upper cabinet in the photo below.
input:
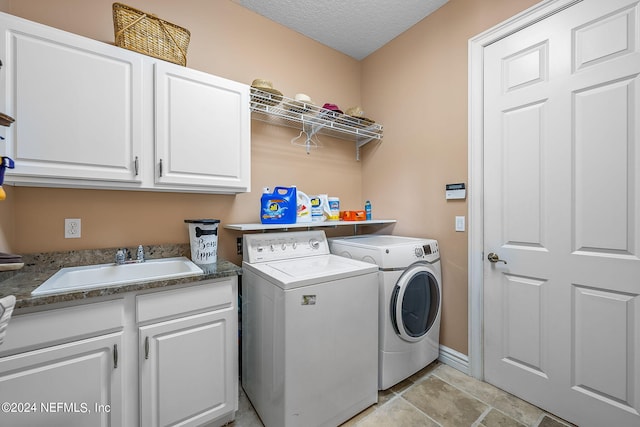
(202, 131)
(77, 105)
(92, 115)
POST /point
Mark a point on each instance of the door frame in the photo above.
(476, 263)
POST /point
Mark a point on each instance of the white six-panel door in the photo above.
(562, 208)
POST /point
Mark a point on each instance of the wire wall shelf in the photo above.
(312, 120)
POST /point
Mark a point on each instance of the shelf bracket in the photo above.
(361, 143)
(314, 128)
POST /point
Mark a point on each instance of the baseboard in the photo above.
(454, 358)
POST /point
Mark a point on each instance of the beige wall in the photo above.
(416, 86)
(226, 40)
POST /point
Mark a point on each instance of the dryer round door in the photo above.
(415, 303)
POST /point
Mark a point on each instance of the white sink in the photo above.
(102, 275)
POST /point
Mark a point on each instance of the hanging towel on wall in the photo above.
(9, 258)
(6, 309)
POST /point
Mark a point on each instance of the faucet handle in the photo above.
(120, 256)
(140, 253)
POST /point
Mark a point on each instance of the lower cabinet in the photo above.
(189, 364)
(185, 374)
(73, 384)
(79, 365)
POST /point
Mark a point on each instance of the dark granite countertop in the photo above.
(39, 267)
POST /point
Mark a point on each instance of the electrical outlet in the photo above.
(72, 228)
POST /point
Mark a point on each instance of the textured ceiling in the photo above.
(354, 27)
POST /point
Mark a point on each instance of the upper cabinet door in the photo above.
(77, 104)
(203, 127)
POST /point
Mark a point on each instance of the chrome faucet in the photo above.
(123, 256)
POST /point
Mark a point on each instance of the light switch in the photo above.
(460, 223)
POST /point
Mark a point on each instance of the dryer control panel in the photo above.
(387, 251)
(427, 249)
(277, 246)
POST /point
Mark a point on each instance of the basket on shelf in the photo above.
(145, 33)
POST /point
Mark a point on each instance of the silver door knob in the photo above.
(495, 258)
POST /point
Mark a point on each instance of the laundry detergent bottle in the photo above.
(304, 207)
(279, 207)
(320, 208)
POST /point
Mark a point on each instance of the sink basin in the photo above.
(102, 275)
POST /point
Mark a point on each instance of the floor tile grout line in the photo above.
(396, 396)
(554, 418)
(415, 407)
(491, 406)
(539, 420)
(433, 373)
(481, 417)
(486, 411)
(535, 424)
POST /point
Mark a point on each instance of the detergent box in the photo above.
(279, 207)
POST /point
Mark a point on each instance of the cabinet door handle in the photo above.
(146, 348)
(115, 356)
(160, 171)
(135, 165)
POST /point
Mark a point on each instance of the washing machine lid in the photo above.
(294, 273)
(386, 251)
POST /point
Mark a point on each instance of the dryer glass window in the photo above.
(418, 301)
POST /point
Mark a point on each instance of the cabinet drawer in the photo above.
(46, 328)
(212, 295)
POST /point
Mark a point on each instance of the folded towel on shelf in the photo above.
(9, 258)
(6, 309)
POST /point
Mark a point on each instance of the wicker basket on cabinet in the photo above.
(146, 33)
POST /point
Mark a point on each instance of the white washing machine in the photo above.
(410, 300)
(309, 330)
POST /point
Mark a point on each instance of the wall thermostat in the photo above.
(455, 191)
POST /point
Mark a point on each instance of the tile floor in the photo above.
(436, 396)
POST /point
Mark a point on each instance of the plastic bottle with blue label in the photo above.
(367, 210)
(320, 208)
(279, 207)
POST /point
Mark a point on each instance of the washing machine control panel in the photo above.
(277, 246)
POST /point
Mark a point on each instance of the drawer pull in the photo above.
(115, 356)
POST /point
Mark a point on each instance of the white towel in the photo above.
(6, 309)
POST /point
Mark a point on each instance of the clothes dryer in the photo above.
(410, 300)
